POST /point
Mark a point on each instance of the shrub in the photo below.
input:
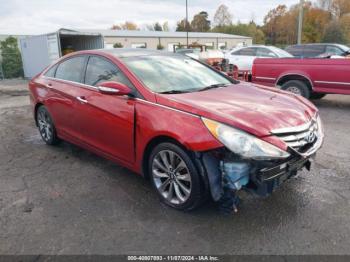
(11, 58)
(118, 45)
(160, 47)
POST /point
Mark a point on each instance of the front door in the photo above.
(106, 121)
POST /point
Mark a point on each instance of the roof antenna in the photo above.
(187, 22)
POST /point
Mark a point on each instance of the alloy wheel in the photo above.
(171, 177)
(294, 90)
(45, 125)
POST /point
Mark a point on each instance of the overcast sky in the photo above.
(42, 16)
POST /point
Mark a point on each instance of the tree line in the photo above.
(324, 21)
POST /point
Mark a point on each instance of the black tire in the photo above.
(46, 126)
(197, 192)
(297, 87)
(317, 96)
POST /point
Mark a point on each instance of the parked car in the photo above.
(191, 52)
(243, 57)
(207, 56)
(188, 128)
(318, 50)
(311, 78)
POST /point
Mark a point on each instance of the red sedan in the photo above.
(191, 130)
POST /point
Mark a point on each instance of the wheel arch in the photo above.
(39, 104)
(193, 155)
(152, 144)
(295, 76)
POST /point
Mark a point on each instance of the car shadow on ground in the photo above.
(141, 194)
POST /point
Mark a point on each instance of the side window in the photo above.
(100, 70)
(51, 72)
(250, 51)
(264, 52)
(71, 69)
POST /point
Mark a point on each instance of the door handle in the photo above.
(82, 99)
(49, 85)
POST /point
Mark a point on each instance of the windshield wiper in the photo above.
(193, 90)
(213, 86)
(174, 92)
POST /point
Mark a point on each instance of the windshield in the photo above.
(344, 48)
(185, 51)
(280, 52)
(174, 73)
(188, 51)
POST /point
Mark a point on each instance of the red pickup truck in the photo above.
(312, 78)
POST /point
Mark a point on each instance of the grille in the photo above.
(300, 138)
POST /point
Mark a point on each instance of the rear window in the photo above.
(71, 69)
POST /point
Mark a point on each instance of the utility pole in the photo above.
(187, 22)
(301, 16)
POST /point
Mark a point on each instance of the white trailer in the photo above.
(40, 51)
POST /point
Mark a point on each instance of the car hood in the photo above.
(253, 108)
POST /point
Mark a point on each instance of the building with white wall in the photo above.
(151, 39)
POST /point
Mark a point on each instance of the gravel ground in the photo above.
(65, 200)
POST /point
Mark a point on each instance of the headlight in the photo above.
(242, 143)
(320, 126)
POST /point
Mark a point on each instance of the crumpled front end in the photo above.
(228, 172)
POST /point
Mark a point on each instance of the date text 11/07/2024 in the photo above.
(173, 258)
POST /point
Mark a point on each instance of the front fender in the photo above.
(154, 120)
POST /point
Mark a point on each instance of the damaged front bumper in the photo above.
(267, 179)
(264, 176)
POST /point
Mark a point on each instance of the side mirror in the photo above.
(114, 88)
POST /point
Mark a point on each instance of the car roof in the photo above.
(241, 47)
(132, 52)
(314, 44)
(259, 46)
(122, 52)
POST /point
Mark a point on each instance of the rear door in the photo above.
(64, 84)
(107, 121)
